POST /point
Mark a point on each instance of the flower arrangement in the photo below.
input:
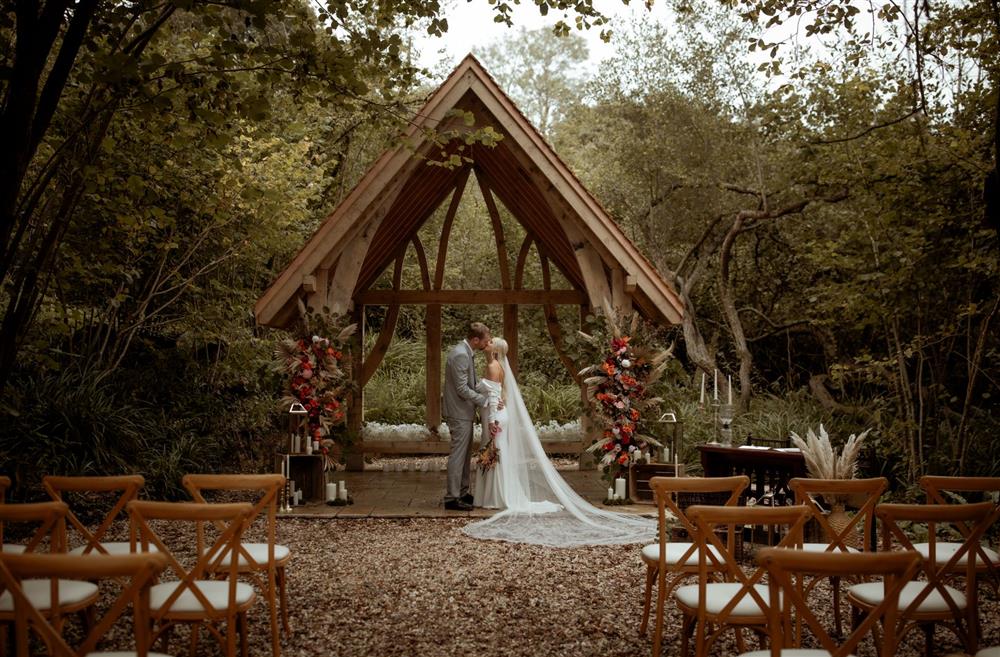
(619, 387)
(822, 461)
(488, 456)
(317, 368)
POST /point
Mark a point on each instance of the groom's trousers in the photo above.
(459, 458)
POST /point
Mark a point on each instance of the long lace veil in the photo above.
(541, 508)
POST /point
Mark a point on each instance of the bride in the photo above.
(537, 505)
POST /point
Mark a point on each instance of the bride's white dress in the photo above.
(487, 492)
(538, 505)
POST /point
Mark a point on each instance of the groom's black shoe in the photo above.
(468, 499)
(457, 505)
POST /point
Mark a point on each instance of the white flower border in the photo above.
(376, 431)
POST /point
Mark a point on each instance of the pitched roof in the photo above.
(522, 170)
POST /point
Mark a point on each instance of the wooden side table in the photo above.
(639, 475)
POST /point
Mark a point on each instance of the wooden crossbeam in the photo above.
(471, 297)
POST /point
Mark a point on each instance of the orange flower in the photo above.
(608, 368)
(634, 414)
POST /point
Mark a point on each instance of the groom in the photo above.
(461, 400)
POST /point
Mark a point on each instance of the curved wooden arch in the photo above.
(381, 346)
(449, 219)
(425, 276)
(522, 257)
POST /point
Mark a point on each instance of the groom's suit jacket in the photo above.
(460, 397)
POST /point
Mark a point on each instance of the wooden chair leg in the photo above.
(835, 583)
(241, 622)
(193, 643)
(687, 627)
(928, 629)
(647, 598)
(272, 604)
(283, 590)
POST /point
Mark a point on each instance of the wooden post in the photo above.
(620, 299)
(354, 455)
(433, 333)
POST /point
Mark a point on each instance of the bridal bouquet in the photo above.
(619, 387)
(488, 456)
(315, 366)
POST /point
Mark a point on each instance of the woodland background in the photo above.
(825, 201)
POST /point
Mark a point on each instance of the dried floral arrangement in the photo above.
(317, 366)
(489, 455)
(619, 387)
(822, 459)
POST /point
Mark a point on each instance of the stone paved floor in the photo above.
(410, 494)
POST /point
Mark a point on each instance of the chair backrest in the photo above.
(976, 518)
(785, 570)
(128, 487)
(707, 521)
(50, 518)
(268, 485)
(140, 571)
(863, 494)
(935, 487)
(232, 518)
(666, 490)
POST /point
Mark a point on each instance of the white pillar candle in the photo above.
(715, 384)
(309, 447)
(620, 487)
(729, 377)
(291, 489)
(342, 490)
(315, 445)
(611, 493)
(701, 400)
(331, 492)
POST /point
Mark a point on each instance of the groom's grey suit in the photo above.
(461, 400)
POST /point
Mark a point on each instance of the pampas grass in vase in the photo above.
(823, 462)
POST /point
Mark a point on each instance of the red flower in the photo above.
(634, 414)
(623, 459)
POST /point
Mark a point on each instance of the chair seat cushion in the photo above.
(114, 548)
(12, 548)
(989, 652)
(790, 652)
(945, 551)
(675, 551)
(872, 593)
(718, 595)
(258, 552)
(38, 591)
(822, 547)
(216, 591)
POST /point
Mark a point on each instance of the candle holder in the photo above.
(716, 405)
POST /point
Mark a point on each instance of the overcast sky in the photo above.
(470, 25)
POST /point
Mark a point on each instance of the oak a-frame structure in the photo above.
(377, 222)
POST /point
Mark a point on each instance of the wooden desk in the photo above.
(768, 469)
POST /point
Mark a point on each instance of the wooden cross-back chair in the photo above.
(49, 520)
(193, 598)
(268, 558)
(34, 618)
(680, 559)
(929, 601)
(862, 495)
(786, 622)
(936, 488)
(127, 487)
(708, 608)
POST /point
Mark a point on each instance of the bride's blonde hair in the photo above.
(499, 348)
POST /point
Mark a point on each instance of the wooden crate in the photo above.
(639, 475)
(307, 472)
